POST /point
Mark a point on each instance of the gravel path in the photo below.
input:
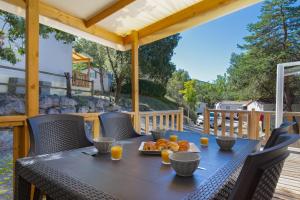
(6, 165)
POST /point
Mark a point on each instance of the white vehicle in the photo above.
(212, 119)
(200, 120)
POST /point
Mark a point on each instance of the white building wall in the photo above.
(55, 57)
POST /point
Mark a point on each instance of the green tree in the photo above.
(12, 37)
(273, 39)
(189, 93)
(97, 52)
(176, 83)
(119, 63)
(107, 59)
(155, 59)
(215, 91)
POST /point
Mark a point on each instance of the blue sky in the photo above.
(205, 51)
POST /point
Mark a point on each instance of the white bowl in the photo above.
(158, 134)
(225, 142)
(103, 144)
(184, 163)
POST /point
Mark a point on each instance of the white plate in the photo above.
(193, 148)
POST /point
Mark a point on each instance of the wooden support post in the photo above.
(135, 80)
(206, 122)
(32, 57)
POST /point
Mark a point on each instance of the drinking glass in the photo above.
(165, 156)
(173, 138)
(116, 151)
(204, 141)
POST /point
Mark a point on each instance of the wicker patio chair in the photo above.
(283, 129)
(56, 132)
(117, 125)
(261, 171)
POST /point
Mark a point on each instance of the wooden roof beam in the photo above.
(67, 19)
(107, 12)
(191, 16)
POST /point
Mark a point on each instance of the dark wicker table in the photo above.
(77, 175)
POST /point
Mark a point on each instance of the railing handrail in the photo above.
(287, 113)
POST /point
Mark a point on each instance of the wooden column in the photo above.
(32, 57)
(135, 80)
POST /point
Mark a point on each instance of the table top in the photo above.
(135, 176)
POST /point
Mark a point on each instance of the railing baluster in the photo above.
(154, 125)
(206, 122)
(267, 121)
(231, 123)
(216, 124)
(96, 128)
(167, 122)
(223, 123)
(161, 121)
(147, 123)
(177, 121)
(290, 119)
(172, 121)
(240, 125)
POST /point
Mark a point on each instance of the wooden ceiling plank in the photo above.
(67, 19)
(107, 12)
(195, 11)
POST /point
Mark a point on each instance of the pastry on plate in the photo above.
(173, 146)
(183, 145)
(161, 144)
(149, 146)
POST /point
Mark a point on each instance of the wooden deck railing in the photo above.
(170, 119)
(248, 122)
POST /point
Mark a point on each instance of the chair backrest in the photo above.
(261, 171)
(283, 129)
(117, 125)
(56, 132)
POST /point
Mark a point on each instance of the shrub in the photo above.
(147, 88)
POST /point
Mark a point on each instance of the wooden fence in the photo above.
(249, 124)
(171, 119)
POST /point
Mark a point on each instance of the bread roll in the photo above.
(149, 146)
(184, 145)
(173, 146)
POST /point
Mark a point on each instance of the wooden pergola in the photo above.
(120, 24)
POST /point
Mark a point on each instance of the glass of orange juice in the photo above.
(116, 151)
(165, 156)
(173, 138)
(204, 141)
